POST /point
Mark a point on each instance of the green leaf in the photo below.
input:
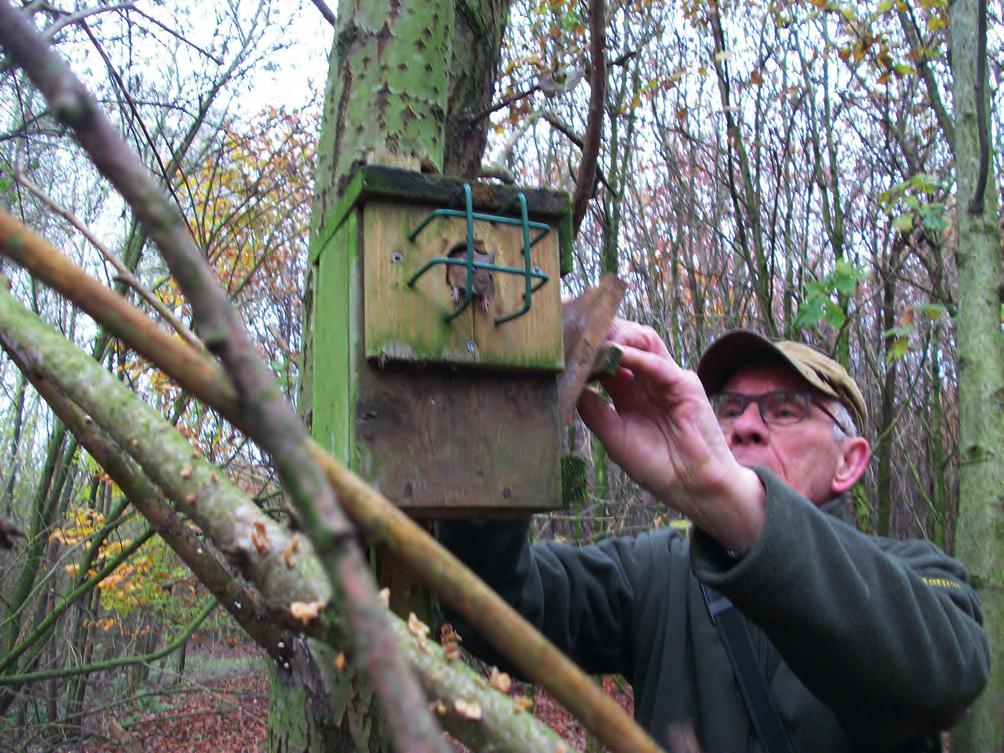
(815, 289)
(885, 6)
(570, 21)
(903, 223)
(810, 312)
(846, 277)
(899, 348)
(833, 314)
(933, 310)
(898, 332)
(925, 182)
(933, 217)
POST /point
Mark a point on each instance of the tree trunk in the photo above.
(886, 430)
(432, 72)
(981, 359)
(940, 504)
(14, 450)
(313, 709)
(43, 508)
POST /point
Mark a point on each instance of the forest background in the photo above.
(789, 168)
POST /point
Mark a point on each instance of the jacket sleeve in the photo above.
(582, 598)
(886, 633)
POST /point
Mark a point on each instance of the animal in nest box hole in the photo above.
(483, 286)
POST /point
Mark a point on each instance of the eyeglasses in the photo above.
(780, 408)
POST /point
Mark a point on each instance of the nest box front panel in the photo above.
(420, 322)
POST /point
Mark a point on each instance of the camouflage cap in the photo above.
(739, 347)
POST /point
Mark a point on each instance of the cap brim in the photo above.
(738, 347)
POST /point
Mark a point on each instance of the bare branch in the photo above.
(74, 18)
(498, 172)
(180, 37)
(328, 14)
(124, 91)
(594, 126)
(122, 271)
(562, 127)
(566, 130)
(503, 104)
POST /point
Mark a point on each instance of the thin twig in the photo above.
(137, 119)
(180, 37)
(281, 342)
(586, 177)
(103, 666)
(562, 127)
(122, 271)
(565, 130)
(328, 14)
(503, 104)
(73, 18)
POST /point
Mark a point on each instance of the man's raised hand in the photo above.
(660, 428)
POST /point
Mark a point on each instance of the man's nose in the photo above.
(748, 426)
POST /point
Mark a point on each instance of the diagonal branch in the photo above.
(945, 122)
(565, 130)
(586, 178)
(270, 419)
(180, 37)
(328, 14)
(107, 664)
(73, 18)
(203, 561)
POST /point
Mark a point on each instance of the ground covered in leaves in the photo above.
(226, 715)
(225, 710)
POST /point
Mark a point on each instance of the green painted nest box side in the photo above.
(437, 338)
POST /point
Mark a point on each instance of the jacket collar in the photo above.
(839, 508)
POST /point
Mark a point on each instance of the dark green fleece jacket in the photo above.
(869, 644)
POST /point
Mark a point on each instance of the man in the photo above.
(865, 644)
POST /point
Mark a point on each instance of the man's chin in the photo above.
(750, 460)
(753, 459)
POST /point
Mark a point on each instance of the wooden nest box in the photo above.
(437, 339)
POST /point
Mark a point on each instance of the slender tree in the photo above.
(981, 357)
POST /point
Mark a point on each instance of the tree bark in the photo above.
(981, 359)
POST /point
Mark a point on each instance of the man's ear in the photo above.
(854, 455)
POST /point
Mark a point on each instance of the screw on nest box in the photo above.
(483, 285)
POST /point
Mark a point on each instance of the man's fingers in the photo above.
(599, 416)
(623, 332)
(658, 370)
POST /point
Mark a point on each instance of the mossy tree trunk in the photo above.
(981, 359)
(406, 82)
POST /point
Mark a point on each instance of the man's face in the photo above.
(805, 455)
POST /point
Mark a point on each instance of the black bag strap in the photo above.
(735, 636)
